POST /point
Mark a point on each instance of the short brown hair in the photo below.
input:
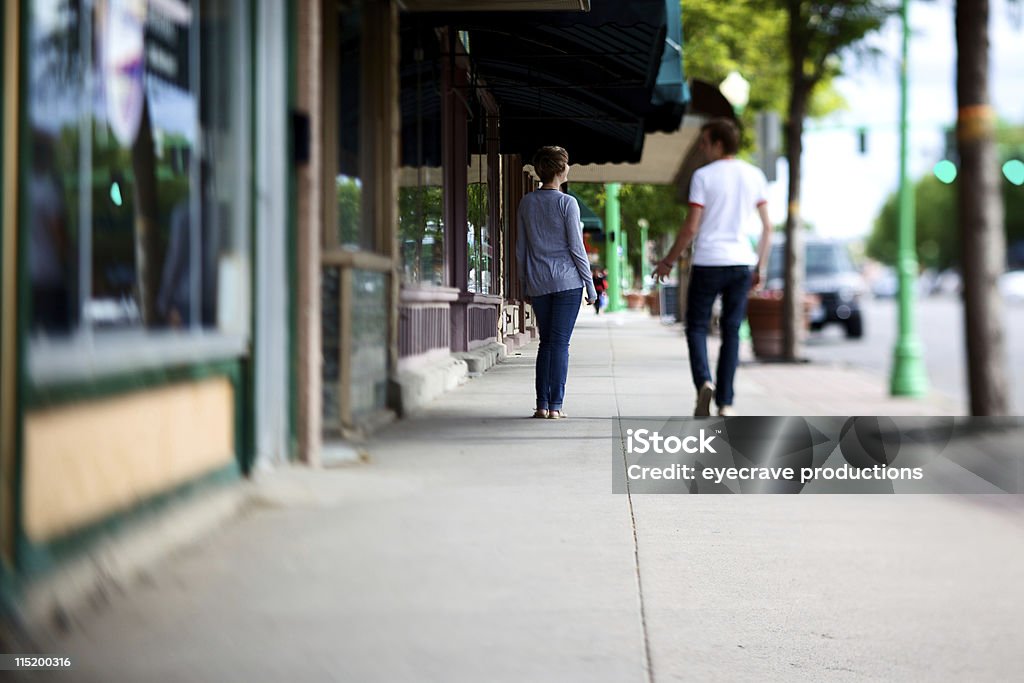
(549, 162)
(725, 131)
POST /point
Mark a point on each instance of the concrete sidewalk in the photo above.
(480, 545)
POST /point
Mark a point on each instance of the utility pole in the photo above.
(908, 373)
(981, 218)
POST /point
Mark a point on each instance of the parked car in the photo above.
(885, 284)
(1011, 286)
(830, 274)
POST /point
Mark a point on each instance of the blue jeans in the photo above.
(706, 283)
(555, 316)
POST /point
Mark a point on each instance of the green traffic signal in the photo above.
(945, 171)
(115, 194)
(1014, 171)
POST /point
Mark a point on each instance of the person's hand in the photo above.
(755, 280)
(590, 302)
(662, 269)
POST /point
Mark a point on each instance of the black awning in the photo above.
(585, 81)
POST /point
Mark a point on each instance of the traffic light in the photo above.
(1014, 171)
(946, 169)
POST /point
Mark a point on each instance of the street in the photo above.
(940, 329)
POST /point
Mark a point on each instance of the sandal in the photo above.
(556, 415)
(541, 413)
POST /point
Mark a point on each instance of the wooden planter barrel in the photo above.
(635, 300)
(764, 315)
(654, 302)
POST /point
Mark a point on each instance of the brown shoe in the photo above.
(556, 415)
(704, 396)
(541, 413)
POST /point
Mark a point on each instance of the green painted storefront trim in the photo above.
(23, 293)
(35, 560)
(247, 401)
(5, 577)
(119, 384)
(292, 235)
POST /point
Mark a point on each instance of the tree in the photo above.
(658, 204)
(936, 227)
(817, 33)
(980, 214)
(747, 36)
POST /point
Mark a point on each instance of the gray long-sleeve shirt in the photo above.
(549, 248)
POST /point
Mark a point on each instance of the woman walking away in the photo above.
(554, 269)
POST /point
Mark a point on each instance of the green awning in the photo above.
(590, 220)
(670, 96)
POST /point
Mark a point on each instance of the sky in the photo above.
(843, 190)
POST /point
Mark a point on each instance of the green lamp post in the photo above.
(908, 373)
(645, 267)
(612, 240)
(625, 281)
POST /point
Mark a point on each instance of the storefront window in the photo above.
(421, 226)
(368, 389)
(478, 233)
(136, 200)
(352, 230)
(421, 178)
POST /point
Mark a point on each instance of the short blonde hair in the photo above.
(548, 162)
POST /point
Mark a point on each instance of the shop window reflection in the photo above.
(421, 225)
(478, 230)
(128, 226)
(352, 231)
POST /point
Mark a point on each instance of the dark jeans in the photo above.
(706, 283)
(555, 316)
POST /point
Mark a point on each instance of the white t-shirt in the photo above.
(729, 190)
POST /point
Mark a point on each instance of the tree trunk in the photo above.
(792, 300)
(980, 214)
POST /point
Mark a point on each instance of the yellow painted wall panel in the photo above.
(88, 460)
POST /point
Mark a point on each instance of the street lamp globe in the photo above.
(736, 90)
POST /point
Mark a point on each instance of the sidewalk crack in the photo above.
(648, 665)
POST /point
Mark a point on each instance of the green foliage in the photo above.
(350, 196)
(935, 226)
(741, 36)
(658, 204)
(750, 37)
(419, 217)
(937, 238)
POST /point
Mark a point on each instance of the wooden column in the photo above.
(9, 426)
(455, 156)
(381, 135)
(309, 25)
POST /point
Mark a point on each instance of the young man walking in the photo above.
(724, 194)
